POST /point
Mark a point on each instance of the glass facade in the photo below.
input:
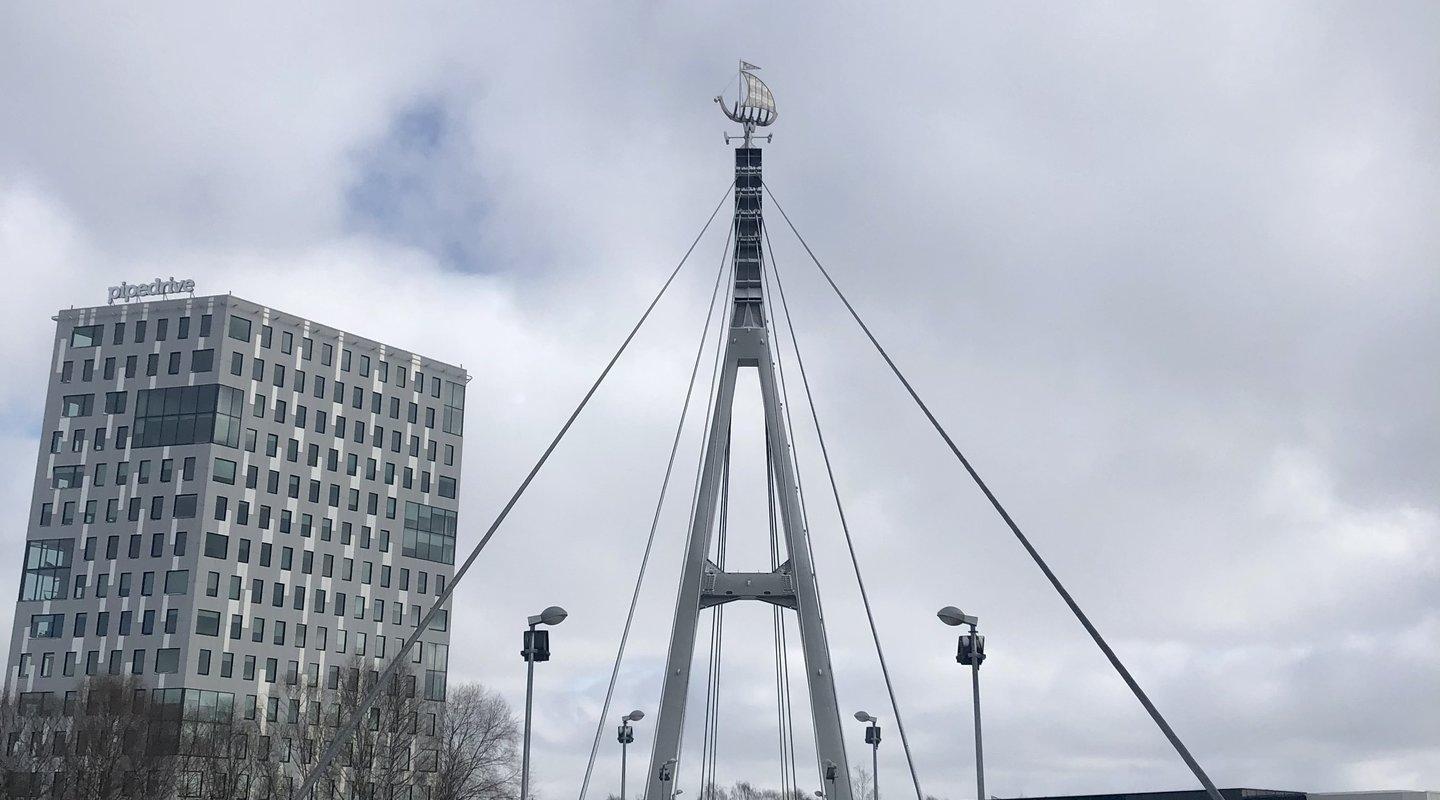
(188, 415)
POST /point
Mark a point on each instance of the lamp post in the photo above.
(626, 737)
(970, 651)
(536, 648)
(872, 738)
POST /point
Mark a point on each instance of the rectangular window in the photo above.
(239, 328)
(217, 546)
(77, 405)
(71, 477)
(207, 623)
(429, 533)
(47, 569)
(224, 471)
(115, 402)
(183, 415)
(47, 626)
(86, 336)
(167, 661)
(202, 361)
(177, 581)
(185, 506)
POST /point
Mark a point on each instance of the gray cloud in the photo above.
(1168, 273)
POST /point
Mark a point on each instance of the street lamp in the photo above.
(626, 737)
(872, 738)
(970, 651)
(536, 648)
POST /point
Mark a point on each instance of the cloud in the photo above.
(1167, 274)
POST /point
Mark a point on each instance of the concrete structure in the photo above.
(230, 500)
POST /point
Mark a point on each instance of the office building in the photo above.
(230, 500)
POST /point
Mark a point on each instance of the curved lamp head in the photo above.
(864, 716)
(554, 615)
(950, 615)
(635, 716)
(819, 793)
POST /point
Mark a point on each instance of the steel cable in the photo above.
(343, 735)
(655, 520)
(1010, 522)
(844, 523)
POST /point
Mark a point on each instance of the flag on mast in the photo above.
(745, 66)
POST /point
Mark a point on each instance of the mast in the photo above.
(704, 584)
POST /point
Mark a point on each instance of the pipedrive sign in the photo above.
(159, 286)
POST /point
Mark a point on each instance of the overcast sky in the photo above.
(1168, 272)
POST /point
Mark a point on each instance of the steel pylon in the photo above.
(792, 585)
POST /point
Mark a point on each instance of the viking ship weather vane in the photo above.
(753, 108)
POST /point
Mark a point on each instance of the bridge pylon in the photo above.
(705, 584)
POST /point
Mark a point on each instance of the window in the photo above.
(177, 581)
(217, 546)
(71, 477)
(47, 569)
(224, 471)
(115, 402)
(47, 626)
(167, 661)
(182, 415)
(207, 623)
(185, 506)
(454, 408)
(239, 328)
(429, 533)
(447, 487)
(77, 405)
(205, 320)
(86, 336)
(202, 361)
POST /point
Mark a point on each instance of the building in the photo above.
(230, 500)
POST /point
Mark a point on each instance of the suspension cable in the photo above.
(710, 739)
(342, 736)
(844, 523)
(1010, 522)
(655, 520)
(794, 460)
(711, 398)
(786, 709)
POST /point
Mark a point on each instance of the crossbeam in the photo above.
(718, 587)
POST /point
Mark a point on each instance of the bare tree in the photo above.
(117, 742)
(478, 748)
(862, 784)
(27, 735)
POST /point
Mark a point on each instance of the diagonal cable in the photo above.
(342, 736)
(1014, 528)
(844, 524)
(655, 520)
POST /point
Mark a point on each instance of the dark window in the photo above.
(47, 569)
(217, 546)
(77, 405)
(185, 505)
(207, 623)
(239, 328)
(115, 402)
(183, 415)
(177, 581)
(202, 361)
(429, 533)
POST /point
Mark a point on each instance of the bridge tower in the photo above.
(703, 583)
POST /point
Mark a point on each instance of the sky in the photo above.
(1168, 273)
